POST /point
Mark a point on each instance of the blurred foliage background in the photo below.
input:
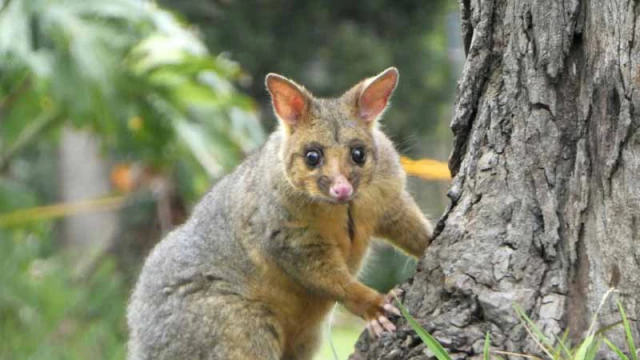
(116, 116)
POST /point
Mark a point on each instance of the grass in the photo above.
(587, 349)
(424, 335)
(343, 337)
(345, 329)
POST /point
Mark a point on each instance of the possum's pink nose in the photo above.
(341, 189)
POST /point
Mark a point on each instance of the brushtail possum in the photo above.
(269, 250)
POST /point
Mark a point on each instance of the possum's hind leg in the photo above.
(305, 346)
(242, 330)
(209, 327)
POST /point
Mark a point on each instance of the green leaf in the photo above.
(627, 330)
(562, 346)
(155, 51)
(588, 348)
(487, 345)
(593, 349)
(433, 344)
(581, 353)
(532, 326)
(616, 349)
(193, 138)
(539, 337)
(15, 195)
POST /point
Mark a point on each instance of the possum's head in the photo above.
(329, 150)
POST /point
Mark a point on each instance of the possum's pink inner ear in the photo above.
(290, 103)
(374, 97)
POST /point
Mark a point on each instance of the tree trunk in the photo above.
(83, 176)
(545, 202)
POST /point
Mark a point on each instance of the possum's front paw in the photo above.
(381, 323)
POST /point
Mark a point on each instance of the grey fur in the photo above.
(194, 284)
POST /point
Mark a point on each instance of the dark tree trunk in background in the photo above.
(545, 202)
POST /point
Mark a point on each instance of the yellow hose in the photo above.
(427, 169)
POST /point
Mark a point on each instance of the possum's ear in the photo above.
(375, 93)
(290, 101)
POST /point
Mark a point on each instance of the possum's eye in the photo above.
(313, 157)
(358, 155)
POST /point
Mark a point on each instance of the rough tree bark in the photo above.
(545, 202)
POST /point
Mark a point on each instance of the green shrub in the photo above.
(47, 313)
